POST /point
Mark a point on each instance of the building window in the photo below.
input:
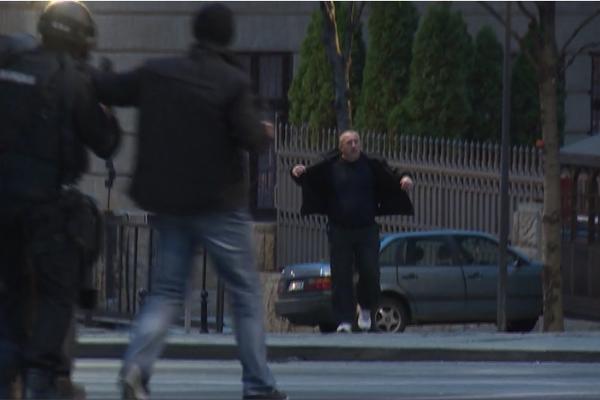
(271, 75)
(595, 94)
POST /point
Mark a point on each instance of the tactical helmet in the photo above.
(70, 23)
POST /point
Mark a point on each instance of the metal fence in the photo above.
(457, 185)
(123, 275)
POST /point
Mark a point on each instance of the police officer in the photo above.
(48, 116)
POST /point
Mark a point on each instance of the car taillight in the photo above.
(318, 284)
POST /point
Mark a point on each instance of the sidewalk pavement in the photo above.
(569, 346)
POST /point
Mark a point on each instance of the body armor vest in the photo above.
(38, 150)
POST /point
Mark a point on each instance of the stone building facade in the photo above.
(268, 40)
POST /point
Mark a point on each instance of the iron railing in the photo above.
(123, 275)
(457, 185)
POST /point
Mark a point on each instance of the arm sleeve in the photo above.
(117, 89)
(96, 127)
(297, 180)
(247, 129)
(394, 171)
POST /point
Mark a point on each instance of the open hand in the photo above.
(406, 183)
(298, 170)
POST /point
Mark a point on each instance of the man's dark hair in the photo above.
(214, 23)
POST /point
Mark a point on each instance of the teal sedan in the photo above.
(445, 276)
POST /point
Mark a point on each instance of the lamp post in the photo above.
(502, 258)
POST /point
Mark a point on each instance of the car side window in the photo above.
(481, 251)
(427, 251)
(389, 255)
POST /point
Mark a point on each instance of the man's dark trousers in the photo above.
(349, 247)
(46, 256)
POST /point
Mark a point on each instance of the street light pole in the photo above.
(502, 268)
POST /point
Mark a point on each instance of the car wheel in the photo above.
(524, 325)
(327, 327)
(391, 316)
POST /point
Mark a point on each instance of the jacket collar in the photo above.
(336, 154)
(200, 49)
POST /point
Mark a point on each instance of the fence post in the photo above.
(204, 297)
(220, 304)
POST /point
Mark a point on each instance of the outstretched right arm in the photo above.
(117, 89)
(296, 173)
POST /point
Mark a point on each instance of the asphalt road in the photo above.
(220, 380)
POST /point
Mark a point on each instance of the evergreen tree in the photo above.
(526, 119)
(485, 86)
(311, 90)
(438, 103)
(359, 54)
(525, 124)
(392, 27)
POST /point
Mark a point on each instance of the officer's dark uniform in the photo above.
(48, 116)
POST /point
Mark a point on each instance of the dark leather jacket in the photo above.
(196, 119)
(316, 183)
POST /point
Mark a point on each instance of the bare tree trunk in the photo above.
(546, 58)
(340, 64)
(552, 279)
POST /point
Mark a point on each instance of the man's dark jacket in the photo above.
(317, 187)
(196, 115)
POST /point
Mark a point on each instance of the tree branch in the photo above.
(581, 25)
(578, 52)
(358, 13)
(499, 18)
(352, 24)
(525, 11)
(514, 34)
(328, 8)
(349, 34)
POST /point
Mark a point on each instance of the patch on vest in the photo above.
(17, 77)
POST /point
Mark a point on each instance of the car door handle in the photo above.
(412, 275)
(474, 275)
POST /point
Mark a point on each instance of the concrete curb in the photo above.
(498, 347)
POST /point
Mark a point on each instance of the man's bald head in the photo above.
(349, 145)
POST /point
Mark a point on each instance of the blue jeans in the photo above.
(226, 237)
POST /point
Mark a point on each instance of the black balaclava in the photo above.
(214, 24)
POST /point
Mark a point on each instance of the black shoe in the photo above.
(272, 395)
(67, 389)
(39, 384)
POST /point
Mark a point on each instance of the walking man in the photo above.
(352, 188)
(196, 117)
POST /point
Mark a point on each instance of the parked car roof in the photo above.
(388, 237)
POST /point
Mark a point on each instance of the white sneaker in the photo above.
(344, 327)
(364, 319)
